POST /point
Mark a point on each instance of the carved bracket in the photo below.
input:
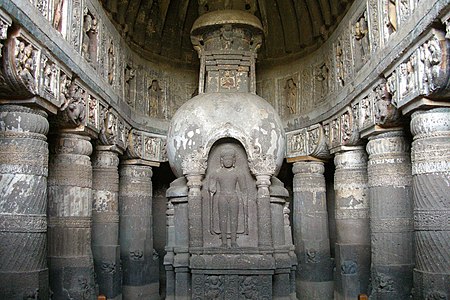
(310, 141)
(423, 73)
(146, 146)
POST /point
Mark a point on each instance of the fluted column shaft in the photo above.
(140, 267)
(105, 221)
(352, 224)
(23, 203)
(430, 156)
(391, 215)
(69, 218)
(312, 244)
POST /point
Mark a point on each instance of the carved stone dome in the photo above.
(246, 117)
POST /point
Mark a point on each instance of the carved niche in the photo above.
(288, 94)
(89, 37)
(361, 43)
(229, 198)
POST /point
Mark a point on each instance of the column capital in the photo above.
(388, 142)
(352, 157)
(70, 143)
(316, 167)
(432, 122)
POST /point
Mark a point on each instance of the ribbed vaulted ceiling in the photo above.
(162, 27)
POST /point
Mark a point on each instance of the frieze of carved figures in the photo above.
(93, 112)
(141, 144)
(5, 23)
(108, 128)
(424, 72)
(74, 108)
(309, 141)
(124, 132)
(49, 79)
(26, 56)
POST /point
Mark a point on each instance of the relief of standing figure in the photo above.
(223, 188)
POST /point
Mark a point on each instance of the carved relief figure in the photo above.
(214, 287)
(25, 63)
(430, 56)
(58, 15)
(74, 106)
(290, 95)
(155, 93)
(322, 76)
(340, 73)
(391, 23)
(223, 188)
(88, 45)
(111, 63)
(361, 34)
(130, 74)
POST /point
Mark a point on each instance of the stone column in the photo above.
(194, 183)
(69, 218)
(352, 224)
(431, 185)
(140, 267)
(312, 244)
(105, 221)
(23, 203)
(391, 220)
(264, 214)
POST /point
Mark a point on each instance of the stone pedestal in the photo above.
(140, 265)
(430, 157)
(105, 222)
(69, 218)
(312, 245)
(391, 217)
(23, 203)
(352, 224)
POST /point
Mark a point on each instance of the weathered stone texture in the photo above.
(352, 224)
(23, 203)
(391, 215)
(430, 156)
(314, 272)
(140, 265)
(69, 218)
(105, 222)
